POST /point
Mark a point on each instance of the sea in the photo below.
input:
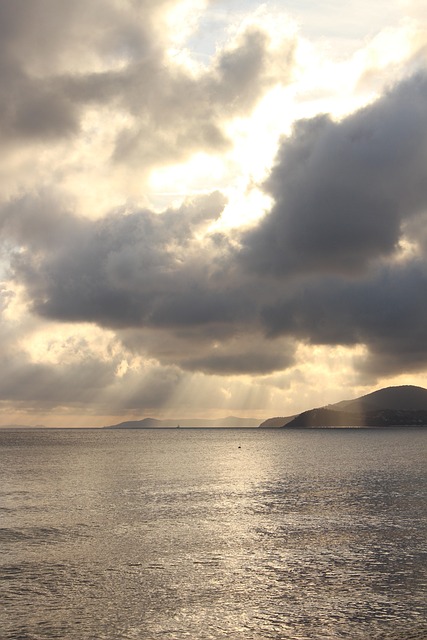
(205, 534)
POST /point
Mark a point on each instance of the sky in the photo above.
(209, 207)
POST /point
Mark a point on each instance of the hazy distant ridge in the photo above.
(276, 422)
(154, 423)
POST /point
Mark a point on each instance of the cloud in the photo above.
(93, 97)
(44, 386)
(39, 44)
(83, 369)
(324, 266)
(251, 357)
(348, 196)
(177, 112)
(122, 270)
(342, 190)
(52, 372)
(73, 379)
(385, 311)
(59, 61)
(166, 285)
(220, 348)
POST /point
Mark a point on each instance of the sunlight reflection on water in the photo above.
(145, 535)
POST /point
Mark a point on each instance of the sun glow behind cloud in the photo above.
(319, 85)
(157, 114)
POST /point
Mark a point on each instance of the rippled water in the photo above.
(208, 534)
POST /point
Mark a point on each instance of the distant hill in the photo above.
(22, 426)
(391, 406)
(274, 423)
(381, 418)
(406, 397)
(154, 423)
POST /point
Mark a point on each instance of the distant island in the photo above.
(22, 426)
(403, 406)
(154, 423)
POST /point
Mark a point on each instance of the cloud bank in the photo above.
(95, 98)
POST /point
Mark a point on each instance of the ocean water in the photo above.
(208, 534)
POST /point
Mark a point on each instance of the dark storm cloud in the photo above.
(385, 310)
(323, 266)
(222, 348)
(202, 354)
(51, 385)
(146, 275)
(33, 110)
(342, 191)
(41, 220)
(346, 195)
(259, 360)
(124, 270)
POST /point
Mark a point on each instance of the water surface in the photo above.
(206, 534)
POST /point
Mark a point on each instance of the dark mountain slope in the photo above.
(408, 397)
(391, 406)
(380, 418)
